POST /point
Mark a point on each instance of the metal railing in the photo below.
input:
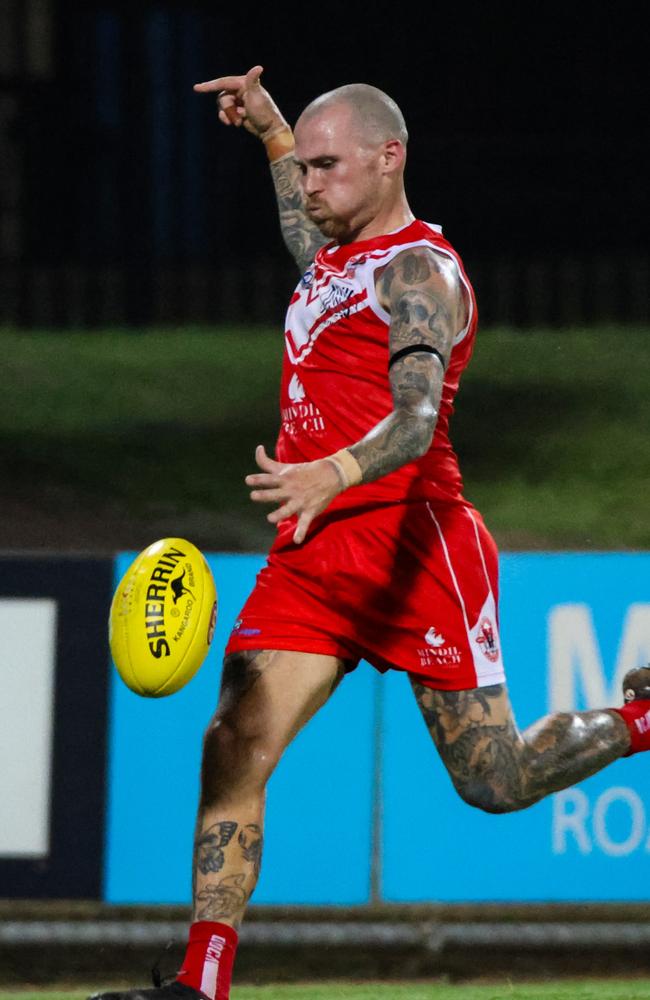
(524, 293)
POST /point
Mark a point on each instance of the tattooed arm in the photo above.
(301, 236)
(242, 100)
(422, 292)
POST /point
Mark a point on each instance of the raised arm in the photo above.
(300, 234)
(242, 100)
(422, 292)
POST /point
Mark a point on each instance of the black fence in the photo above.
(122, 200)
(525, 293)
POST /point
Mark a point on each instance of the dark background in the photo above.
(123, 200)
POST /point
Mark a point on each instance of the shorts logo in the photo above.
(433, 638)
(437, 652)
(237, 629)
(487, 640)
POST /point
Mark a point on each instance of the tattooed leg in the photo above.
(266, 698)
(498, 769)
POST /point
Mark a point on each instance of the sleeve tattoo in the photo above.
(301, 236)
(424, 300)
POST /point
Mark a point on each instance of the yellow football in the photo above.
(162, 618)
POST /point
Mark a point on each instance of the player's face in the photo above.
(341, 173)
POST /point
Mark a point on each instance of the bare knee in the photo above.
(481, 795)
(239, 757)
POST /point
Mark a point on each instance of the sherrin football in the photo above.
(162, 618)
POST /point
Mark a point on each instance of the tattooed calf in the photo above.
(221, 900)
(251, 842)
(209, 846)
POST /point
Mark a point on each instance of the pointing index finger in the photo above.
(221, 83)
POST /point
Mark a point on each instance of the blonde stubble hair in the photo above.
(376, 115)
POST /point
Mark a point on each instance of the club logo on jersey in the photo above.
(486, 639)
(296, 390)
(307, 279)
(334, 296)
(433, 638)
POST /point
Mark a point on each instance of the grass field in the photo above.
(634, 989)
(128, 431)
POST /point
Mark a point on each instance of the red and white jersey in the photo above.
(335, 385)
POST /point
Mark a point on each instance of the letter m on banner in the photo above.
(574, 656)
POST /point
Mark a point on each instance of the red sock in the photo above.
(209, 959)
(636, 715)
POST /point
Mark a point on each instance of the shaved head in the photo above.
(375, 114)
(351, 151)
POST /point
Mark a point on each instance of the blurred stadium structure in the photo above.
(82, 944)
(96, 820)
(122, 202)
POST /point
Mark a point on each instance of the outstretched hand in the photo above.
(304, 489)
(242, 100)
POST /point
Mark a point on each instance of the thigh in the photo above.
(271, 694)
(266, 698)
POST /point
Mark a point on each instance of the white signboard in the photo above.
(27, 661)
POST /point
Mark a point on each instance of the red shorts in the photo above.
(411, 586)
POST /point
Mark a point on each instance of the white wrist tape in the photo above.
(347, 467)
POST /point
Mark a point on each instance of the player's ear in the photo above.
(393, 155)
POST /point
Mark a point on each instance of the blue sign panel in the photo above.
(571, 626)
(319, 800)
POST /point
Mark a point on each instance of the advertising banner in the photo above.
(571, 626)
(28, 627)
(54, 668)
(360, 808)
(319, 829)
